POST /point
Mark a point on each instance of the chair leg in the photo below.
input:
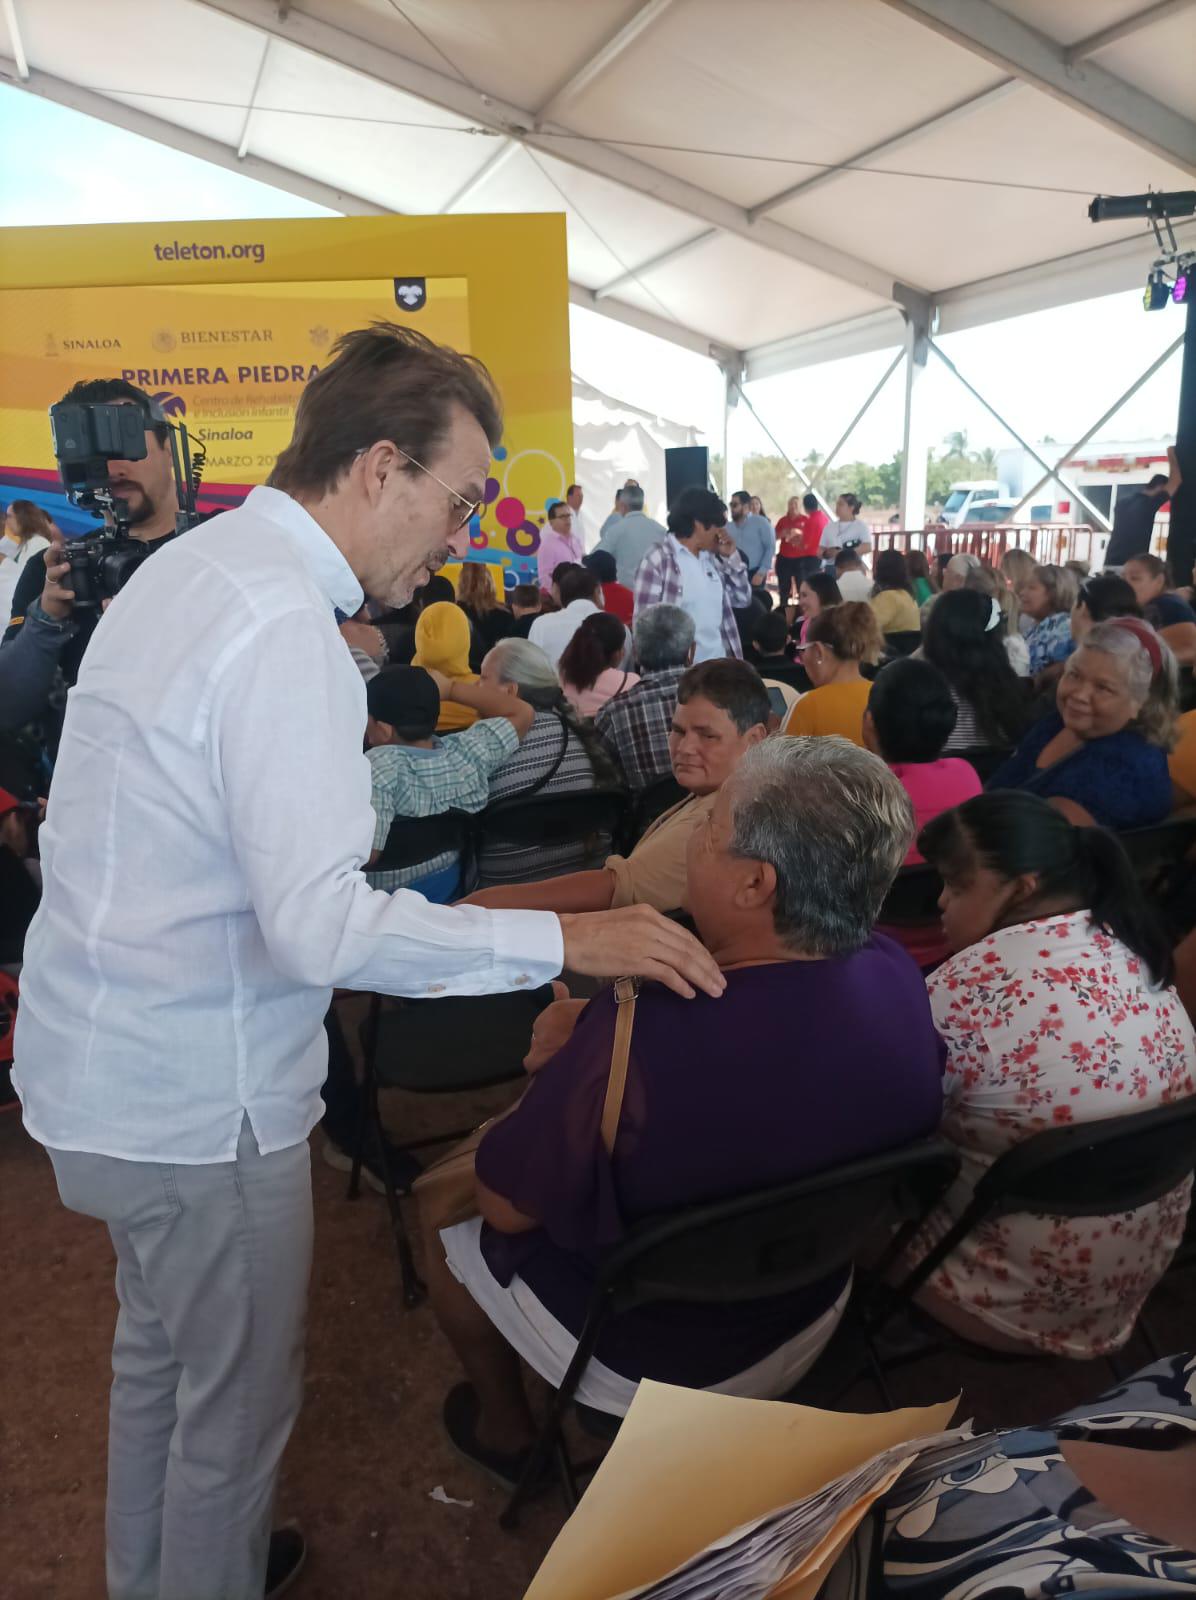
(412, 1287)
(550, 1441)
(368, 1097)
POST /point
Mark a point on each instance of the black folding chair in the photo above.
(427, 1047)
(1162, 860)
(590, 818)
(653, 802)
(414, 840)
(982, 759)
(751, 1247)
(903, 644)
(913, 899)
(1093, 1169)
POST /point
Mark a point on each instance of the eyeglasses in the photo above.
(473, 508)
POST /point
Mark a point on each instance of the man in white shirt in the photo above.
(202, 857)
(575, 498)
(579, 595)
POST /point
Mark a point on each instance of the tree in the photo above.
(957, 443)
(987, 460)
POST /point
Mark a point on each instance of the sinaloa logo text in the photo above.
(91, 344)
(209, 435)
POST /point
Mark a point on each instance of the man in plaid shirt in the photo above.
(698, 567)
(634, 727)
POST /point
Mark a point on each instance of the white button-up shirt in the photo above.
(202, 859)
(553, 631)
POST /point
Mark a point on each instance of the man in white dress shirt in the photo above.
(202, 857)
(580, 596)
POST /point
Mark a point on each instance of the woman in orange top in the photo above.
(839, 640)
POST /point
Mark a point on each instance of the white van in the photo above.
(963, 496)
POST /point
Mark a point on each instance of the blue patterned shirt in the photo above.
(1049, 641)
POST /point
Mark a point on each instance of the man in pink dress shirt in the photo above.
(558, 542)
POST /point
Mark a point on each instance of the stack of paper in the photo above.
(707, 1497)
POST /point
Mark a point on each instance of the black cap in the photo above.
(407, 699)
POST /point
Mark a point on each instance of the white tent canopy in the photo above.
(773, 183)
(613, 441)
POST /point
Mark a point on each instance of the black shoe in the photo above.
(460, 1416)
(288, 1552)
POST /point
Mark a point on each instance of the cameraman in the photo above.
(203, 893)
(147, 487)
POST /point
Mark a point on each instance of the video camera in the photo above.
(86, 438)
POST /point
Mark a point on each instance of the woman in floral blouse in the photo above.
(1047, 597)
(1058, 1008)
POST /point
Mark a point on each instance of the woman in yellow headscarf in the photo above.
(442, 641)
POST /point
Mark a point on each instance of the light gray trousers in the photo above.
(212, 1270)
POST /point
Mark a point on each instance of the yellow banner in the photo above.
(237, 317)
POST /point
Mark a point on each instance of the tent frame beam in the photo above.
(1091, 433)
(1006, 41)
(506, 120)
(147, 126)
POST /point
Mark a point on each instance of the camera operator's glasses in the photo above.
(471, 508)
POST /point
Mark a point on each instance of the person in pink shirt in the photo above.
(910, 717)
(558, 542)
(591, 667)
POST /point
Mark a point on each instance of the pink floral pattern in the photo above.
(1045, 1023)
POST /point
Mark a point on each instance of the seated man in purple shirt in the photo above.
(722, 1097)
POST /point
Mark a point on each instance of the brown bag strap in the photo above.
(626, 990)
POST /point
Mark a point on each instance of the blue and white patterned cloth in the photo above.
(1049, 641)
(1003, 1516)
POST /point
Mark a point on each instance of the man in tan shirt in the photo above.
(722, 711)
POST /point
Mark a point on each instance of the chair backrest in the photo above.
(428, 1047)
(913, 899)
(653, 802)
(1152, 850)
(777, 1240)
(983, 760)
(904, 643)
(415, 839)
(1094, 1169)
(551, 819)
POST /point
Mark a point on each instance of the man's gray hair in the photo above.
(632, 497)
(964, 564)
(834, 823)
(520, 662)
(664, 636)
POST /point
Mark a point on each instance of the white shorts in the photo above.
(548, 1347)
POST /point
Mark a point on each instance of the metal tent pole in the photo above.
(1098, 425)
(1181, 543)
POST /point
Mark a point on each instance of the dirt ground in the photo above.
(368, 1449)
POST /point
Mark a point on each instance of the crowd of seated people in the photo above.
(635, 725)
(785, 876)
(721, 712)
(591, 667)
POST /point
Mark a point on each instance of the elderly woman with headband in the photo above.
(1102, 756)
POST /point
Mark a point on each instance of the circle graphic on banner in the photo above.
(509, 513)
(525, 531)
(535, 476)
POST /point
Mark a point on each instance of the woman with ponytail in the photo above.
(1058, 1008)
(591, 667)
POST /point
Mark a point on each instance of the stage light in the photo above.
(1181, 290)
(1157, 292)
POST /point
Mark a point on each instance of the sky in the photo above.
(1051, 374)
